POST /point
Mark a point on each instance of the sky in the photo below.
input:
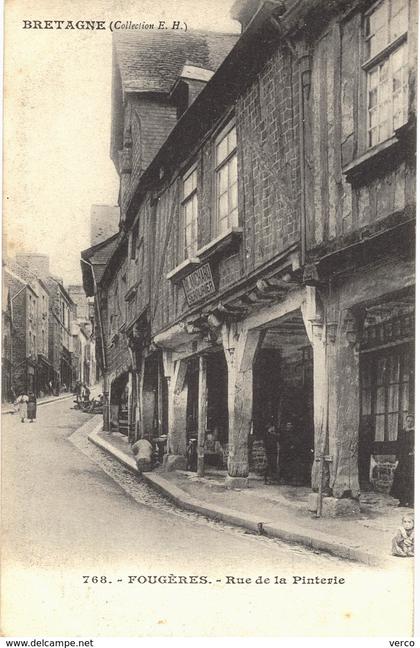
(58, 116)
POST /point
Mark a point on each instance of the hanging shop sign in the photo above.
(199, 284)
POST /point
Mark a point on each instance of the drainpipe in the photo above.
(104, 362)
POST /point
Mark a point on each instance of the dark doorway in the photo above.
(283, 401)
(217, 386)
(192, 399)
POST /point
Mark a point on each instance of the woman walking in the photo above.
(22, 406)
(31, 407)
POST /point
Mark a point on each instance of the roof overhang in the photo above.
(93, 262)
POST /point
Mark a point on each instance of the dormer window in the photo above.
(188, 86)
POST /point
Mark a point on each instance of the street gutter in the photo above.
(285, 531)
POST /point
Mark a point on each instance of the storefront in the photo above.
(216, 433)
(45, 374)
(119, 404)
(386, 387)
(66, 369)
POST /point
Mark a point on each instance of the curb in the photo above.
(127, 461)
(289, 533)
(44, 402)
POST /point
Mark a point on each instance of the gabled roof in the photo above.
(151, 61)
(25, 273)
(57, 281)
(94, 260)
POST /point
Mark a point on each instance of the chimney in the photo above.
(244, 10)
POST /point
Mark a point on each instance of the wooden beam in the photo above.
(202, 413)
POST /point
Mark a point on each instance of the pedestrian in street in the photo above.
(31, 407)
(50, 387)
(77, 391)
(272, 450)
(403, 541)
(290, 452)
(86, 394)
(14, 401)
(403, 484)
(22, 406)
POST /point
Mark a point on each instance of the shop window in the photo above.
(226, 180)
(387, 390)
(386, 69)
(189, 214)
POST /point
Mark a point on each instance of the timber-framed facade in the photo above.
(263, 273)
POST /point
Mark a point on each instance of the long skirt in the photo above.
(32, 410)
(403, 484)
(22, 410)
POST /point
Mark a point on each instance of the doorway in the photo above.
(283, 401)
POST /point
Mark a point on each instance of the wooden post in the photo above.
(129, 406)
(175, 372)
(106, 393)
(202, 413)
(344, 414)
(109, 404)
(160, 380)
(140, 382)
(240, 347)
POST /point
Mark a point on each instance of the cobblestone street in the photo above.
(70, 511)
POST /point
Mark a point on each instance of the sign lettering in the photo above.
(198, 284)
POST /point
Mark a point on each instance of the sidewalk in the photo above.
(7, 408)
(275, 511)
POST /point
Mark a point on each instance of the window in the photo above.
(386, 69)
(226, 181)
(113, 310)
(190, 214)
(387, 390)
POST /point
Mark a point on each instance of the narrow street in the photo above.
(70, 511)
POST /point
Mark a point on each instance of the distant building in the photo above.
(60, 337)
(56, 340)
(78, 297)
(84, 361)
(23, 313)
(43, 372)
(7, 392)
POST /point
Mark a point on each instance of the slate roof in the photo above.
(152, 61)
(97, 256)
